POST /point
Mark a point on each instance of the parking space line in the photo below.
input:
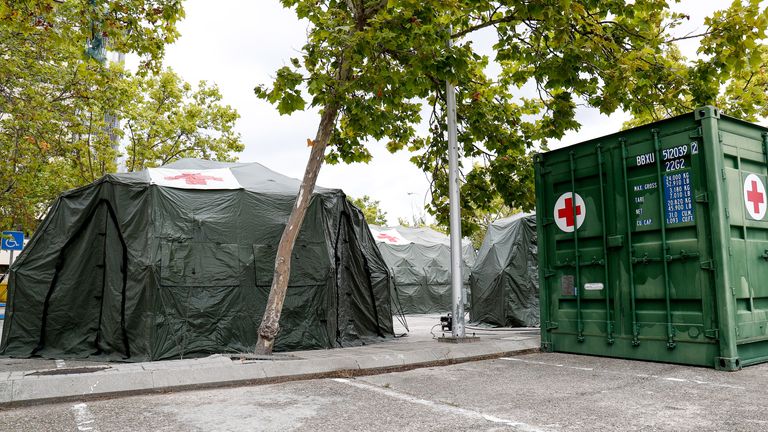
(439, 406)
(546, 364)
(84, 419)
(668, 379)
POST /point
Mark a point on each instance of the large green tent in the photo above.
(419, 260)
(177, 261)
(505, 278)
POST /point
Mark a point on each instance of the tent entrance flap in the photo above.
(84, 308)
(357, 311)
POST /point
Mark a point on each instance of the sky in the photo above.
(239, 44)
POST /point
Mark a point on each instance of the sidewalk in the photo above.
(25, 381)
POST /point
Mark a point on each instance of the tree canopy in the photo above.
(64, 114)
(371, 210)
(377, 69)
(728, 73)
(169, 119)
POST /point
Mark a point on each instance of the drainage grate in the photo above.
(70, 371)
(252, 357)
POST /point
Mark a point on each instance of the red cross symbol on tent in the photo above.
(387, 237)
(194, 178)
(754, 197)
(566, 207)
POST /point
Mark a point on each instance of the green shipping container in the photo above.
(653, 243)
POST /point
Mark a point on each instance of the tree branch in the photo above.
(693, 36)
(375, 8)
(493, 22)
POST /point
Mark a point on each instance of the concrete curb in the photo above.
(27, 388)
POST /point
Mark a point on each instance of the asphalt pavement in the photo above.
(501, 383)
(530, 392)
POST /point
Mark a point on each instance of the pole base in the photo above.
(458, 339)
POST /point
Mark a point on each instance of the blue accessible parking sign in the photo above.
(12, 240)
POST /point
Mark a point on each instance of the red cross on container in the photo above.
(194, 178)
(567, 207)
(567, 212)
(754, 197)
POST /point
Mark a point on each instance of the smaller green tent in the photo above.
(505, 278)
(419, 260)
(178, 261)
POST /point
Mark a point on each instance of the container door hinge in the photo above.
(722, 173)
(712, 334)
(707, 265)
(733, 291)
(550, 325)
(702, 198)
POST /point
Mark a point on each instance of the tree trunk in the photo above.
(270, 322)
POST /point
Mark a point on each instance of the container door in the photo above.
(576, 218)
(745, 161)
(670, 285)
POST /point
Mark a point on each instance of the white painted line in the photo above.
(60, 364)
(546, 364)
(84, 419)
(520, 426)
(670, 379)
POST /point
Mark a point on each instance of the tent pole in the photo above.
(457, 298)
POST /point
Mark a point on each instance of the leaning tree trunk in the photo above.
(270, 322)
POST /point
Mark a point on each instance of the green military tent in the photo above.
(177, 261)
(419, 260)
(505, 278)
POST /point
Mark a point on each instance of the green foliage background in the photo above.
(57, 105)
(371, 210)
(379, 65)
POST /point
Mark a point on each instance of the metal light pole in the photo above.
(457, 297)
(413, 213)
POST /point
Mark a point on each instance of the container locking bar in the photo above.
(568, 263)
(608, 322)
(682, 256)
(580, 323)
(630, 267)
(665, 247)
(764, 135)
